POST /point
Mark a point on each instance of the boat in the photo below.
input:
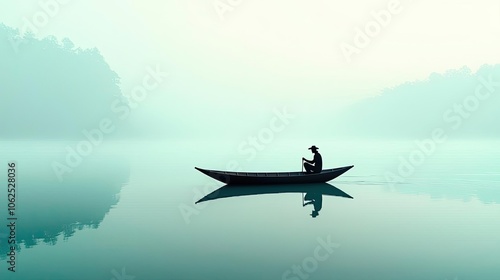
(244, 190)
(268, 178)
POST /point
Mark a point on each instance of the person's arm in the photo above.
(308, 161)
(313, 161)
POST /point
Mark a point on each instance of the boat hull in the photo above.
(270, 178)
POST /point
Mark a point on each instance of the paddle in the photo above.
(302, 164)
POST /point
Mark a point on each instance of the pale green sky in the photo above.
(267, 54)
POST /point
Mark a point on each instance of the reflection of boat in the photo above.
(248, 178)
(232, 191)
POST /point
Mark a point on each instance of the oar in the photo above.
(302, 164)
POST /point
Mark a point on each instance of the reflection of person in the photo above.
(315, 199)
(315, 165)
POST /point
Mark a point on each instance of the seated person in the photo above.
(315, 165)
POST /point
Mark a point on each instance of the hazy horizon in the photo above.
(225, 72)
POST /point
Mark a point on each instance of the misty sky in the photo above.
(228, 56)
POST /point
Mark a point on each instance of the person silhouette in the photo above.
(315, 199)
(315, 165)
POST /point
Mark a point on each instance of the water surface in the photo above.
(127, 210)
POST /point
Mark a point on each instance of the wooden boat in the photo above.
(267, 178)
(245, 190)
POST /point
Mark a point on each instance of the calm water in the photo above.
(127, 212)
